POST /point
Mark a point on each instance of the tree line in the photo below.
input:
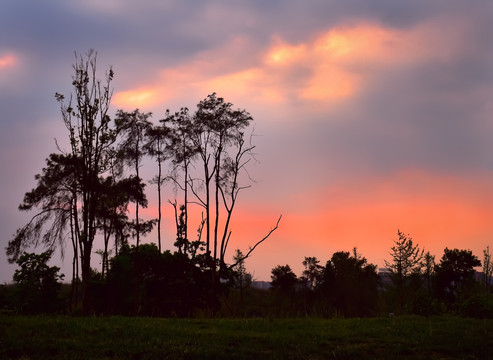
(143, 281)
(411, 283)
(85, 191)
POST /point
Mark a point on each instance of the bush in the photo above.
(37, 284)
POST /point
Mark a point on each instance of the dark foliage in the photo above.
(455, 273)
(142, 281)
(37, 284)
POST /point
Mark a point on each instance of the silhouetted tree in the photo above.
(149, 283)
(112, 211)
(84, 191)
(312, 274)
(310, 279)
(428, 266)
(219, 140)
(406, 261)
(91, 140)
(38, 283)
(455, 270)
(241, 278)
(182, 152)
(133, 128)
(487, 268)
(157, 146)
(55, 195)
(283, 279)
(350, 284)
(212, 139)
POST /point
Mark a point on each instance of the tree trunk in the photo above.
(86, 274)
(159, 205)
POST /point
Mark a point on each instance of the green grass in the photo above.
(148, 338)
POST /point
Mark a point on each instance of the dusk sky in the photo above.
(370, 116)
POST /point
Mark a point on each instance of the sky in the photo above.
(370, 116)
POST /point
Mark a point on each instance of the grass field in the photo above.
(149, 338)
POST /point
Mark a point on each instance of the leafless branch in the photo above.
(257, 244)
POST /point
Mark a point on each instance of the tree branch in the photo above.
(257, 244)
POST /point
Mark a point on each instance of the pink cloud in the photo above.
(329, 67)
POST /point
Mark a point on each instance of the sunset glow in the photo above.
(135, 98)
(285, 54)
(337, 62)
(7, 61)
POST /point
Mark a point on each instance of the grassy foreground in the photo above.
(148, 338)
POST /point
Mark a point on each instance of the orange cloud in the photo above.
(327, 69)
(282, 53)
(137, 98)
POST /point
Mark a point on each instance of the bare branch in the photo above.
(257, 244)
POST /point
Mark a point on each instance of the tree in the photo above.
(456, 270)
(219, 141)
(213, 140)
(183, 151)
(428, 265)
(313, 272)
(38, 283)
(55, 196)
(487, 268)
(157, 146)
(91, 138)
(350, 284)
(284, 279)
(112, 210)
(406, 260)
(406, 257)
(133, 127)
(242, 278)
(72, 194)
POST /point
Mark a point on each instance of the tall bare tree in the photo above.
(157, 145)
(182, 151)
(133, 127)
(91, 139)
(70, 186)
(219, 139)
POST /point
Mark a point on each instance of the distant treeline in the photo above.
(145, 282)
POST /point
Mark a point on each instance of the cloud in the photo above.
(138, 98)
(326, 68)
